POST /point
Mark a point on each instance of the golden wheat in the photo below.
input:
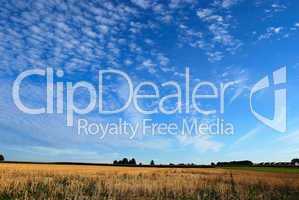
(32, 181)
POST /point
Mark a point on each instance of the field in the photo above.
(268, 169)
(33, 181)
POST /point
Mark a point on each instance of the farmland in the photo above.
(293, 170)
(37, 181)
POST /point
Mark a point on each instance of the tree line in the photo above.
(247, 163)
(126, 161)
(241, 163)
(1, 158)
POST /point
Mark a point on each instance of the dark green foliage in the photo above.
(235, 163)
(125, 161)
(152, 162)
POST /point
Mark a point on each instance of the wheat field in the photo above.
(33, 181)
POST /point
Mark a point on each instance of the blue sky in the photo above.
(219, 40)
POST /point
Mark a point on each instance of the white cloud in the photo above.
(167, 19)
(148, 65)
(201, 143)
(271, 31)
(278, 6)
(128, 62)
(80, 41)
(219, 27)
(291, 138)
(176, 3)
(215, 56)
(277, 30)
(103, 29)
(226, 4)
(57, 154)
(249, 135)
(239, 75)
(275, 8)
(203, 13)
(229, 3)
(163, 60)
(145, 4)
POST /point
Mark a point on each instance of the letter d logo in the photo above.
(279, 120)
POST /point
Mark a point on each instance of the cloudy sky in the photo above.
(218, 40)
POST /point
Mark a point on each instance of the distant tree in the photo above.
(152, 162)
(267, 164)
(132, 162)
(125, 161)
(140, 164)
(1, 157)
(213, 164)
(295, 160)
(235, 163)
(115, 162)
